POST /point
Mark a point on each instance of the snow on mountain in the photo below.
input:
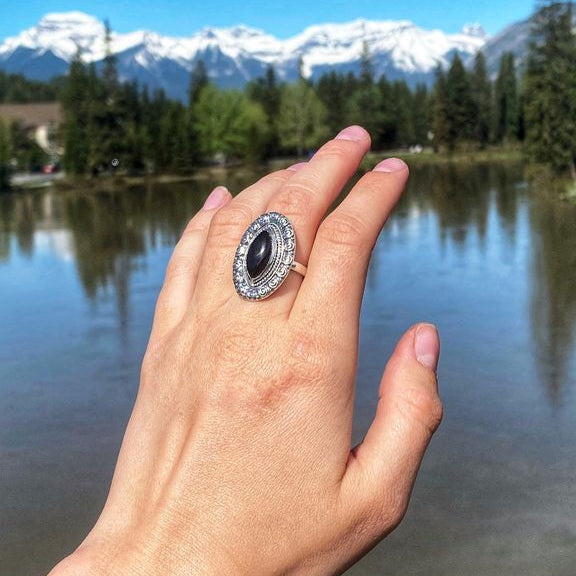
(411, 48)
(236, 55)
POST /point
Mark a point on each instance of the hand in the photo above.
(237, 459)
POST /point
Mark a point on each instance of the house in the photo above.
(41, 121)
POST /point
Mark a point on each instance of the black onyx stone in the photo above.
(259, 254)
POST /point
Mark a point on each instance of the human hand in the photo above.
(237, 459)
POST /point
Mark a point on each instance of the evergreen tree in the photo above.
(403, 114)
(440, 110)
(482, 93)
(388, 130)
(15, 88)
(301, 122)
(75, 129)
(550, 88)
(421, 115)
(5, 155)
(459, 105)
(366, 100)
(266, 92)
(507, 111)
(198, 81)
(333, 91)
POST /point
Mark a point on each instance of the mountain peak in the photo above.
(235, 55)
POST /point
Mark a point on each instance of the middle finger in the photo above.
(306, 197)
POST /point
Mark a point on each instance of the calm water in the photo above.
(470, 249)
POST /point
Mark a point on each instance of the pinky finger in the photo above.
(182, 271)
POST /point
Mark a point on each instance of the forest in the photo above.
(111, 125)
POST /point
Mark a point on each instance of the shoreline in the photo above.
(88, 184)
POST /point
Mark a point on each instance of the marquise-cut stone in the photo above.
(259, 254)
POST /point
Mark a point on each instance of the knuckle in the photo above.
(295, 199)
(336, 150)
(274, 180)
(345, 231)
(421, 404)
(262, 384)
(194, 228)
(229, 221)
(178, 266)
(308, 362)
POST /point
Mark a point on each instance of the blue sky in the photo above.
(279, 17)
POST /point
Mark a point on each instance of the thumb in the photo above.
(409, 411)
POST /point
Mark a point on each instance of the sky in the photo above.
(278, 17)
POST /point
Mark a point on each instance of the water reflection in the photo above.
(469, 248)
(108, 234)
(553, 307)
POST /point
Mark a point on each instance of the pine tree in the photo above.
(266, 92)
(507, 109)
(331, 89)
(75, 127)
(550, 88)
(366, 100)
(421, 117)
(388, 130)
(108, 129)
(440, 110)
(482, 94)
(403, 113)
(459, 105)
(199, 80)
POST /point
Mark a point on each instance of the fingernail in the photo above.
(217, 198)
(427, 346)
(296, 167)
(390, 165)
(356, 133)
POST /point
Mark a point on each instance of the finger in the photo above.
(339, 260)
(182, 271)
(307, 196)
(215, 285)
(409, 411)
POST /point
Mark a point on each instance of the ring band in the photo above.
(265, 256)
(299, 268)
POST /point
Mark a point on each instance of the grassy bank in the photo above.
(497, 154)
(222, 173)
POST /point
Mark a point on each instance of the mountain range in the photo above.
(234, 56)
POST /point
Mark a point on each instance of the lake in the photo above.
(470, 248)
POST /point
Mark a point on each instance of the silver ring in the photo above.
(265, 257)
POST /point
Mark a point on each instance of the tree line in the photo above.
(109, 122)
(112, 125)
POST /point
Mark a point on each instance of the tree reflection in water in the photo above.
(553, 308)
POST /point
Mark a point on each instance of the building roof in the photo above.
(32, 115)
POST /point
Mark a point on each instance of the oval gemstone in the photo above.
(259, 254)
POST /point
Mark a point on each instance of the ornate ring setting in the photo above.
(265, 256)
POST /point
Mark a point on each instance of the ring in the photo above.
(265, 256)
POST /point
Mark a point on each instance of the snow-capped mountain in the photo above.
(236, 55)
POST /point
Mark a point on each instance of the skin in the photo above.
(237, 459)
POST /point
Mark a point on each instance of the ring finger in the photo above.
(306, 197)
